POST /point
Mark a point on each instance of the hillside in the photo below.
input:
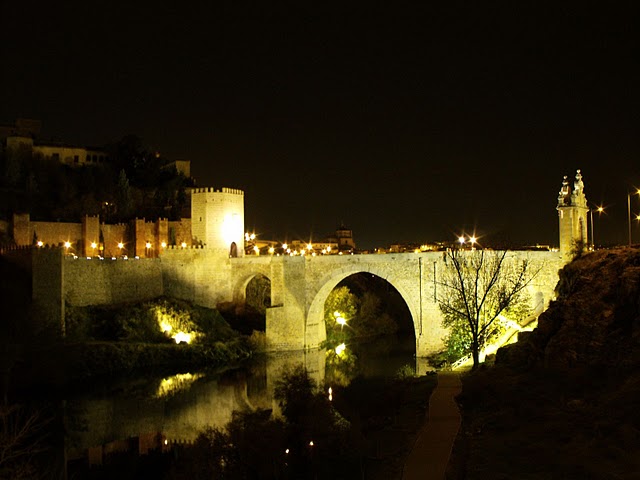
(562, 402)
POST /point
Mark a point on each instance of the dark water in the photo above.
(140, 415)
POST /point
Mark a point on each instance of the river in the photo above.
(141, 414)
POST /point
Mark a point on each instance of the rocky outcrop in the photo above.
(594, 321)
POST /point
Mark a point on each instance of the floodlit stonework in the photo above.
(214, 271)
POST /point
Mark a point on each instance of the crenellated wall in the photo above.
(106, 237)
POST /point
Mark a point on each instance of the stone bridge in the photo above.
(300, 286)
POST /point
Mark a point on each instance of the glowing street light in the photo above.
(461, 241)
(120, 245)
(272, 250)
(183, 244)
(600, 210)
(285, 247)
(340, 349)
(148, 245)
(40, 243)
(163, 244)
(637, 192)
(67, 245)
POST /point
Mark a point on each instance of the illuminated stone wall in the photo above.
(134, 236)
(197, 274)
(111, 236)
(181, 231)
(104, 282)
(47, 283)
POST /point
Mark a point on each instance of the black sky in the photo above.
(409, 122)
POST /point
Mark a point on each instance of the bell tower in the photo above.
(572, 214)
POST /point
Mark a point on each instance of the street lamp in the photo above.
(629, 211)
(600, 210)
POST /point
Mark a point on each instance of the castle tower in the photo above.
(217, 220)
(572, 214)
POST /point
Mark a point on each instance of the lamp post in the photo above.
(629, 211)
(629, 215)
(599, 209)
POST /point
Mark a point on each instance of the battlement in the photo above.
(180, 247)
(233, 191)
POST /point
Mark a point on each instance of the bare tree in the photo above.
(477, 287)
(22, 438)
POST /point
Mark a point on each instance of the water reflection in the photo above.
(176, 383)
(152, 413)
(146, 414)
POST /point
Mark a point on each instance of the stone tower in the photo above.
(572, 213)
(217, 220)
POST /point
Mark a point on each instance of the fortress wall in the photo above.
(47, 283)
(112, 235)
(181, 231)
(198, 275)
(100, 282)
(90, 234)
(55, 233)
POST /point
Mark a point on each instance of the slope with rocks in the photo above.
(562, 402)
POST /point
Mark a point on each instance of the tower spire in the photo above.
(572, 214)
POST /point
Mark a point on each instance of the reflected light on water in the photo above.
(172, 385)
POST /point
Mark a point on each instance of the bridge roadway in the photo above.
(300, 285)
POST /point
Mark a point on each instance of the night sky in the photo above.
(410, 123)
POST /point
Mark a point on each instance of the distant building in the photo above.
(343, 238)
(23, 138)
(181, 166)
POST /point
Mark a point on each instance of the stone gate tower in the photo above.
(572, 213)
(217, 220)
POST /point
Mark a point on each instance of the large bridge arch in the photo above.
(315, 331)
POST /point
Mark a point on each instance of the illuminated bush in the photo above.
(158, 321)
(176, 323)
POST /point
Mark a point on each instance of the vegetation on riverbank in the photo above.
(562, 402)
(107, 340)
